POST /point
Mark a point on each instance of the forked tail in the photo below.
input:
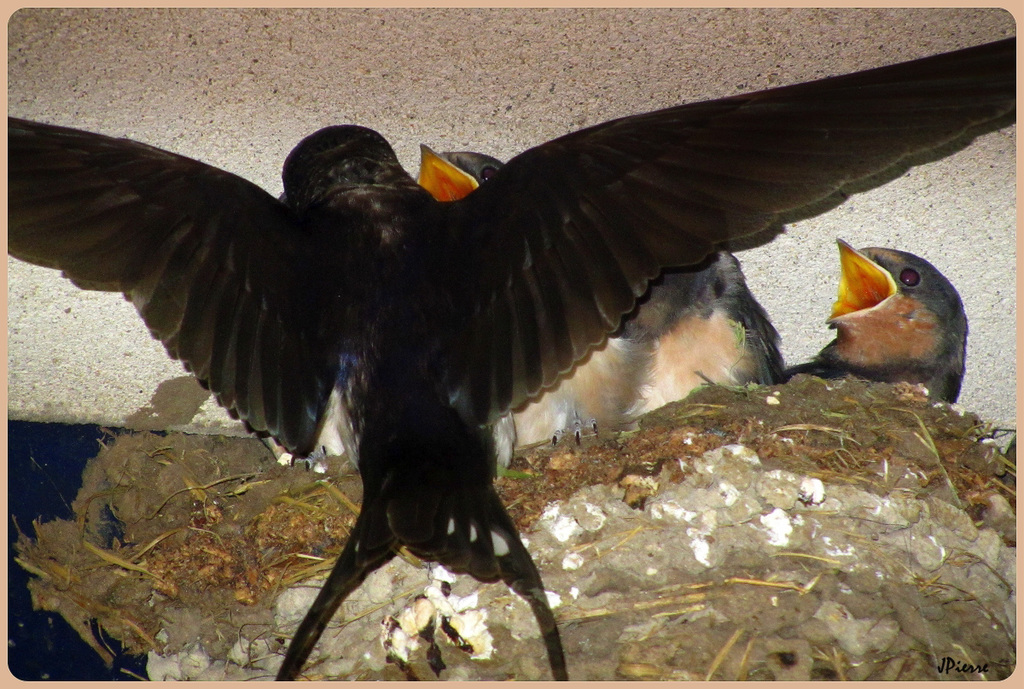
(464, 528)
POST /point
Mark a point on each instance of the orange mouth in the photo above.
(863, 284)
(444, 181)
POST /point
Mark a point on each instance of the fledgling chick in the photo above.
(897, 318)
(695, 325)
(362, 314)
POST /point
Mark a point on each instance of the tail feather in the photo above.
(519, 572)
(762, 341)
(465, 528)
(473, 534)
(356, 562)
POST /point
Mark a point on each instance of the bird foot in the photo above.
(576, 428)
(315, 461)
(283, 456)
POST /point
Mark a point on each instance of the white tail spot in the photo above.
(500, 544)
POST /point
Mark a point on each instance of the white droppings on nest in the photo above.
(599, 517)
(400, 635)
(441, 602)
(742, 452)
(472, 627)
(398, 643)
(812, 491)
(451, 604)
(188, 664)
(706, 523)
(672, 509)
(699, 543)
(774, 401)
(833, 550)
(572, 561)
(730, 493)
(701, 549)
(713, 460)
(778, 526)
(561, 526)
(417, 616)
(438, 572)
(464, 603)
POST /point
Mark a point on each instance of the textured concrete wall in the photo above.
(239, 88)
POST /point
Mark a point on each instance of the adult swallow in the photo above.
(897, 318)
(695, 325)
(362, 314)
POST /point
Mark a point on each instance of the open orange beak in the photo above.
(444, 181)
(862, 284)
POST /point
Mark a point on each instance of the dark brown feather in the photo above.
(628, 197)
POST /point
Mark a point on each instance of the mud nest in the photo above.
(816, 530)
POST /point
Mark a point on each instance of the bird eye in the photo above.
(487, 173)
(910, 277)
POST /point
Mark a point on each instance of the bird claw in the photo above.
(577, 430)
(316, 461)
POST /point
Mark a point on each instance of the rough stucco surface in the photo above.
(239, 88)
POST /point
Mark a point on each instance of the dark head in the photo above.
(898, 314)
(336, 158)
(479, 166)
(913, 276)
(451, 176)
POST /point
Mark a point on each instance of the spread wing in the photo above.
(560, 242)
(217, 267)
